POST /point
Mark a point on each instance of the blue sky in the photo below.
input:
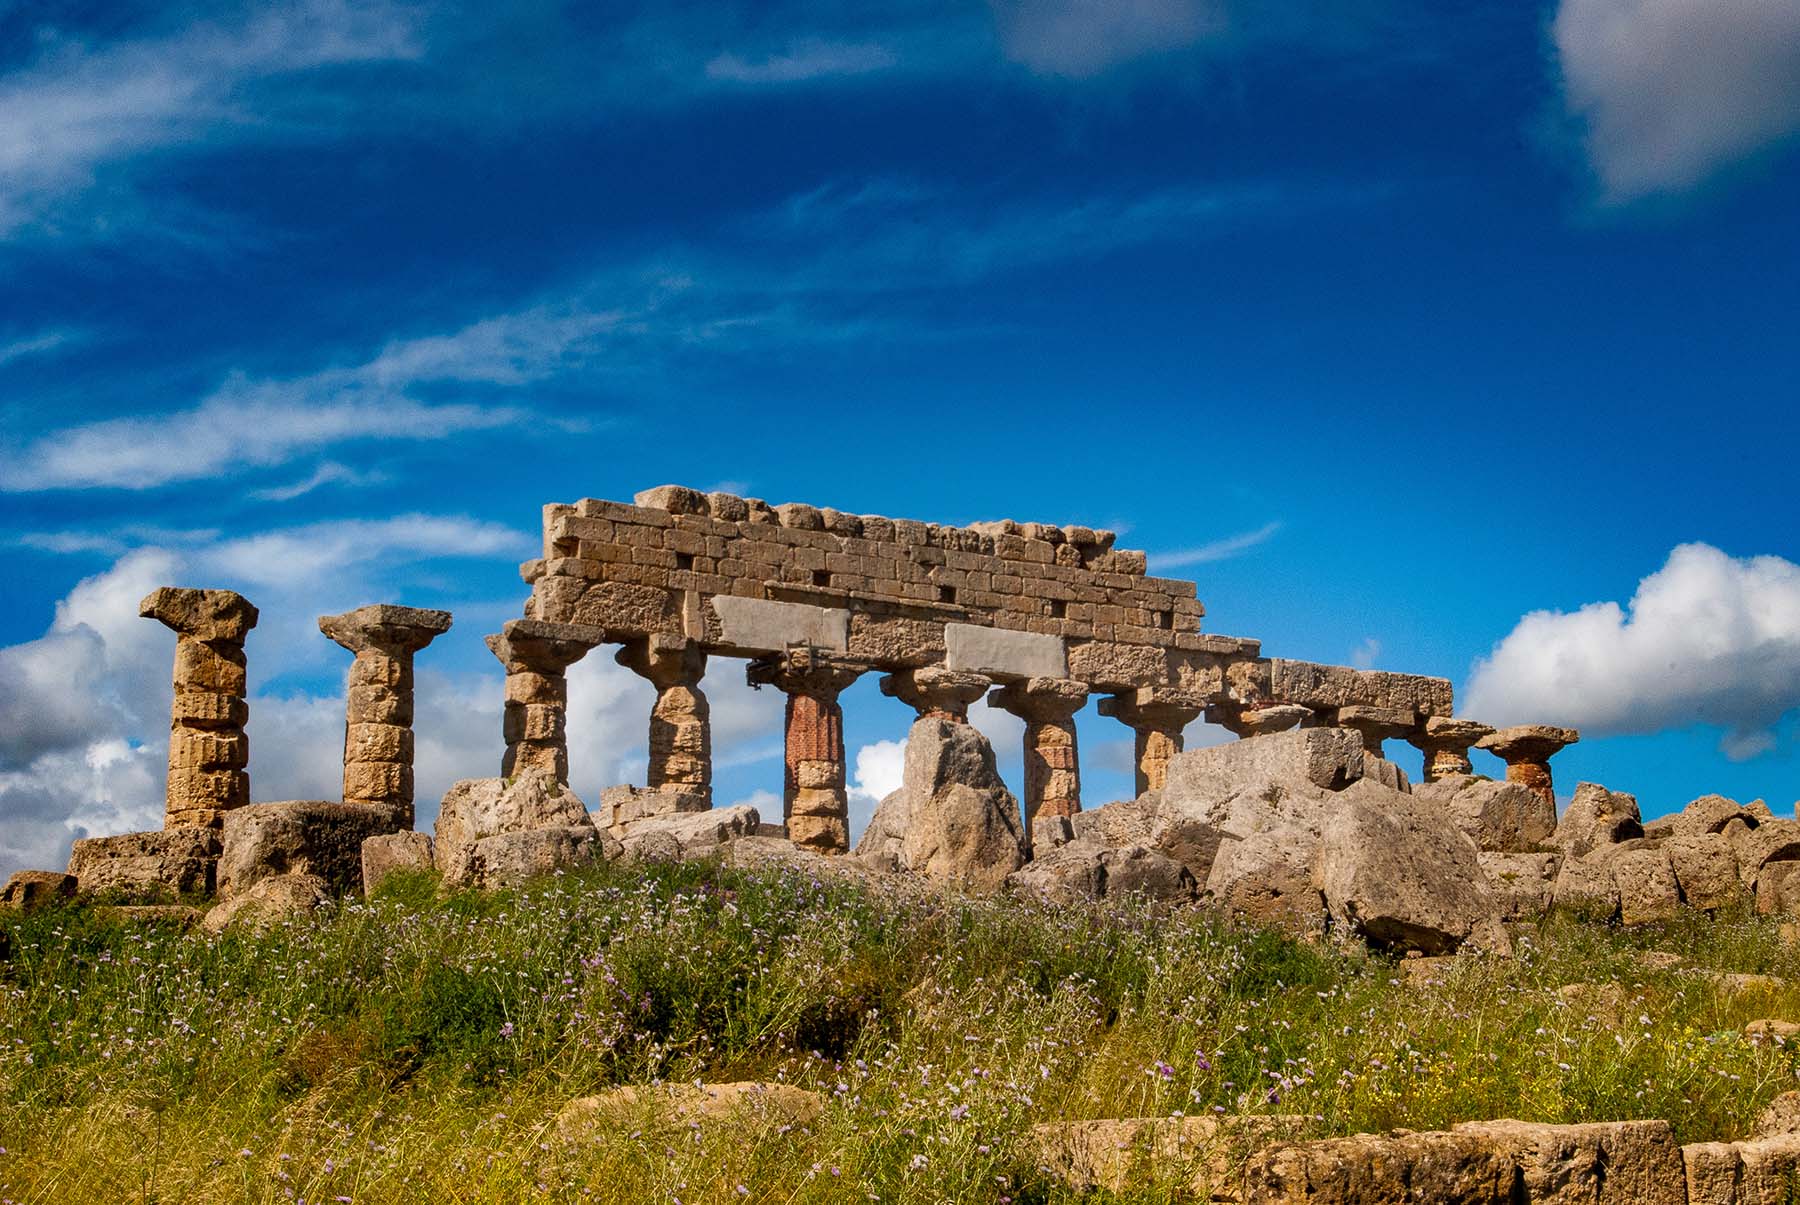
(1389, 329)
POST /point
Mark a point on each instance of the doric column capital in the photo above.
(1528, 742)
(206, 615)
(1154, 709)
(1040, 700)
(665, 660)
(1245, 722)
(383, 628)
(805, 671)
(541, 647)
(1376, 724)
(933, 690)
(1445, 742)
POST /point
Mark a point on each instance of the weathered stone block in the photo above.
(29, 889)
(133, 865)
(377, 781)
(378, 743)
(305, 837)
(755, 625)
(219, 669)
(1004, 654)
(386, 853)
(509, 859)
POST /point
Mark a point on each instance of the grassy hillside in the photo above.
(416, 1048)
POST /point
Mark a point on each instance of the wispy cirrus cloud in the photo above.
(41, 343)
(1080, 38)
(803, 60)
(79, 111)
(1216, 550)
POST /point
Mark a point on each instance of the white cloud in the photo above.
(1671, 91)
(79, 109)
(328, 473)
(1708, 638)
(1079, 38)
(1366, 654)
(1217, 550)
(805, 59)
(296, 556)
(877, 771)
(34, 345)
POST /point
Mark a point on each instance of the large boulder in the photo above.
(953, 818)
(1597, 817)
(150, 865)
(1705, 868)
(268, 902)
(1502, 817)
(1265, 875)
(1646, 881)
(1522, 883)
(1771, 841)
(1585, 886)
(1778, 889)
(1085, 871)
(477, 809)
(301, 837)
(682, 836)
(1329, 759)
(509, 859)
(389, 853)
(1712, 814)
(28, 889)
(1399, 875)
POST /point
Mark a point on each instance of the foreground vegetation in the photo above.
(417, 1047)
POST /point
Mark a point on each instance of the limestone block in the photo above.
(201, 614)
(510, 859)
(1597, 817)
(478, 808)
(1778, 889)
(378, 743)
(1328, 758)
(1759, 1172)
(1705, 869)
(216, 668)
(676, 499)
(538, 722)
(385, 631)
(270, 902)
(208, 709)
(374, 669)
(961, 825)
(377, 782)
(385, 853)
(755, 625)
(1522, 883)
(28, 889)
(1004, 654)
(1648, 891)
(695, 834)
(620, 806)
(1602, 1163)
(824, 831)
(380, 705)
(203, 749)
(1399, 1168)
(169, 861)
(1770, 841)
(1710, 814)
(319, 839)
(1500, 816)
(1586, 885)
(1780, 1117)
(1118, 1155)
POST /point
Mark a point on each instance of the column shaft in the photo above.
(209, 752)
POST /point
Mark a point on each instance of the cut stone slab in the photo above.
(1648, 891)
(756, 625)
(386, 853)
(1586, 887)
(749, 1102)
(476, 809)
(1522, 883)
(297, 837)
(1705, 868)
(269, 902)
(1711, 813)
(1528, 741)
(625, 805)
(28, 889)
(1606, 1163)
(1083, 871)
(1328, 758)
(1398, 1168)
(171, 861)
(1758, 1172)
(204, 615)
(1004, 654)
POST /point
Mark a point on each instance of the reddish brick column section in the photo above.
(1157, 714)
(378, 734)
(1445, 743)
(681, 720)
(816, 804)
(208, 748)
(1052, 758)
(1527, 750)
(537, 655)
(936, 691)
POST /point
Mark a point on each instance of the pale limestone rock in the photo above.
(1522, 883)
(300, 837)
(1328, 758)
(480, 808)
(386, 853)
(1770, 1031)
(1586, 886)
(1710, 814)
(953, 817)
(753, 1103)
(1648, 891)
(1398, 874)
(1602, 1163)
(269, 902)
(28, 889)
(1758, 1172)
(1597, 817)
(1081, 871)
(695, 834)
(1781, 1116)
(1398, 1168)
(1265, 875)
(1778, 889)
(512, 858)
(1116, 1155)
(173, 861)
(1501, 817)
(1705, 869)
(1771, 841)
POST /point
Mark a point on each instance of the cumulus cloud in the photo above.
(1670, 91)
(1708, 638)
(1080, 38)
(876, 772)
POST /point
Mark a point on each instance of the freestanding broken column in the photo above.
(1445, 743)
(537, 655)
(208, 748)
(378, 735)
(1157, 714)
(680, 722)
(1052, 757)
(936, 691)
(816, 805)
(1527, 750)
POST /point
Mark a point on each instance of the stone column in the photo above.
(680, 721)
(1527, 750)
(378, 735)
(1376, 724)
(537, 655)
(816, 805)
(1052, 758)
(1157, 714)
(1245, 722)
(208, 748)
(936, 691)
(1445, 743)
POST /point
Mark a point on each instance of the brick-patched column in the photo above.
(680, 721)
(537, 655)
(1445, 742)
(934, 691)
(209, 752)
(378, 713)
(1157, 714)
(1527, 750)
(815, 801)
(1052, 757)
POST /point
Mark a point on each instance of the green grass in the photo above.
(416, 1047)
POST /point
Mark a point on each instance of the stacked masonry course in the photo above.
(817, 596)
